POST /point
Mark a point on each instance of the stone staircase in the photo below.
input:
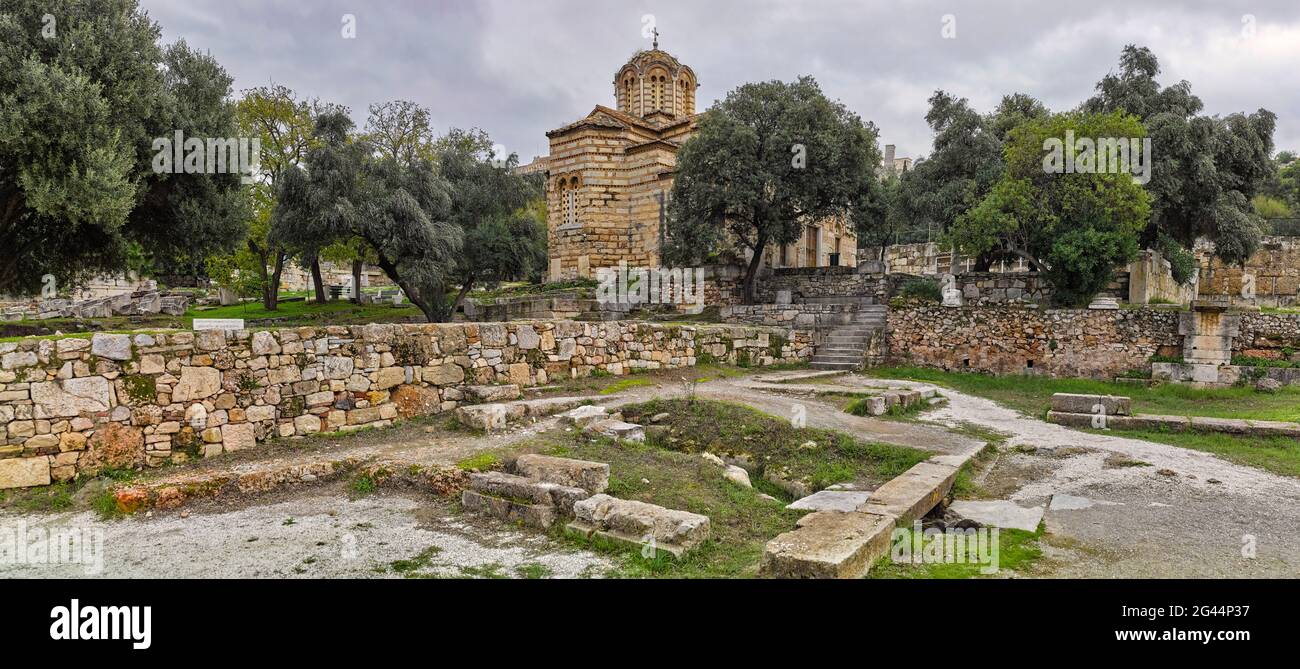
(848, 346)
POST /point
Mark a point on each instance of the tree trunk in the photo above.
(272, 301)
(464, 290)
(316, 279)
(356, 281)
(424, 302)
(262, 258)
(751, 271)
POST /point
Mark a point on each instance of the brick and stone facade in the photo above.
(609, 176)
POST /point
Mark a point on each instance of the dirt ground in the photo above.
(319, 532)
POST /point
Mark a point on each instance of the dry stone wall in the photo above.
(1009, 340)
(77, 406)
(809, 284)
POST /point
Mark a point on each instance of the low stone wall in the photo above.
(1009, 340)
(802, 316)
(1268, 336)
(986, 288)
(809, 284)
(74, 406)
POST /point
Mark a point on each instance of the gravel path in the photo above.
(1192, 520)
(316, 533)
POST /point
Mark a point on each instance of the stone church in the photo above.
(609, 176)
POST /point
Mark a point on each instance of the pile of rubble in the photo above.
(140, 303)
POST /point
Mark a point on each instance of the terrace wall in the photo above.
(77, 406)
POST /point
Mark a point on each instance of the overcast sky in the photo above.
(518, 68)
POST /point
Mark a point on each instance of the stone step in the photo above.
(840, 349)
(836, 357)
(835, 365)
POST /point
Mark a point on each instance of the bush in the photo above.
(924, 290)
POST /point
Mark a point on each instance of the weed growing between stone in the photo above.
(1018, 550)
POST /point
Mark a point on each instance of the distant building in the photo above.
(892, 165)
(609, 176)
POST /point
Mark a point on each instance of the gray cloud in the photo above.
(518, 68)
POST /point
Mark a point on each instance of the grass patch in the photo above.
(481, 462)
(625, 384)
(1280, 455)
(1017, 552)
(741, 521)
(1033, 394)
(533, 571)
(772, 443)
(104, 505)
(54, 497)
(411, 565)
(363, 484)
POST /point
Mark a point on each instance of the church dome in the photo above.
(654, 81)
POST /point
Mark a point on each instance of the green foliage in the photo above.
(502, 215)
(763, 161)
(925, 290)
(79, 113)
(1206, 169)
(1076, 227)
(1271, 207)
(481, 462)
(363, 484)
(1254, 361)
(398, 209)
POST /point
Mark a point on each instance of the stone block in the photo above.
(111, 346)
(617, 429)
(590, 476)
(828, 544)
(238, 436)
(1111, 405)
(584, 415)
(913, 493)
(499, 393)
(638, 522)
(71, 397)
(443, 375)
(540, 516)
(24, 472)
(197, 383)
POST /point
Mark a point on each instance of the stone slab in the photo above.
(913, 493)
(631, 518)
(828, 544)
(617, 429)
(831, 500)
(540, 516)
(590, 476)
(1113, 405)
(24, 472)
(1003, 513)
